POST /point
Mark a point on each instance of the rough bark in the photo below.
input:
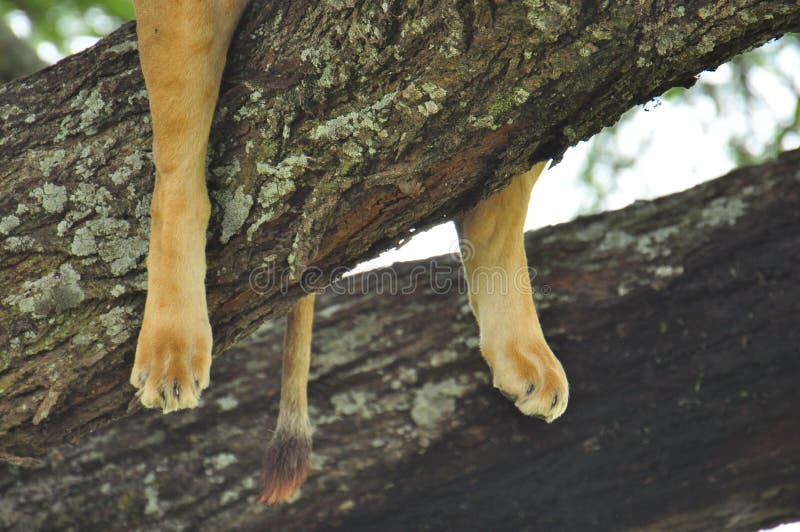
(341, 127)
(677, 322)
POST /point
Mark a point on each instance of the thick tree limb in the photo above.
(341, 126)
(676, 321)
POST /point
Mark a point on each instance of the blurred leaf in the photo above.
(58, 22)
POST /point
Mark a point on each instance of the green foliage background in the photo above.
(57, 21)
(738, 94)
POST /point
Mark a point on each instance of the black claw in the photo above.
(163, 395)
(196, 384)
(176, 390)
(555, 400)
(529, 390)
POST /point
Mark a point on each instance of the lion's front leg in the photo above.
(182, 48)
(523, 367)
(173, 353)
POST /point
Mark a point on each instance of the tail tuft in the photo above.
(286, 466)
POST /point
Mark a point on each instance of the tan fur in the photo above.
(523, 366)
(289, 453)
(182, 46)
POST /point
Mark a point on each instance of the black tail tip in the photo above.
(286, 465)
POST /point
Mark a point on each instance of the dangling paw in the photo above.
(173, 360)
(530, 375)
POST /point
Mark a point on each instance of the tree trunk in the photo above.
(676, 320)
(341, 128)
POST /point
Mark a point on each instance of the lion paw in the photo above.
(531, 377)
(173, 361)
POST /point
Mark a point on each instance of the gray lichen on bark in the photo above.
(682, 388)
(340, 128)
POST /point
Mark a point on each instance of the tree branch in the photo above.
(676, 321)
(341, 127)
